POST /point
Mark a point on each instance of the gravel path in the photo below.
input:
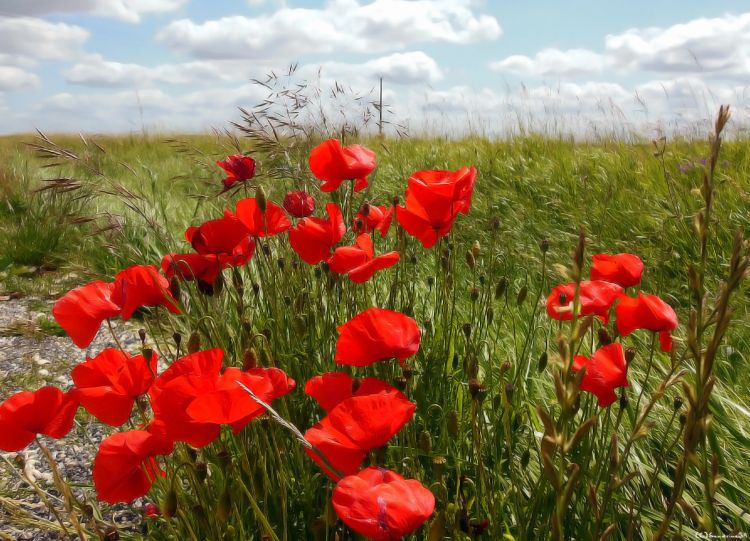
(30, 359)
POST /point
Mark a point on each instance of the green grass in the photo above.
(142, 192)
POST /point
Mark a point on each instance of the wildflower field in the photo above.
(348, 336)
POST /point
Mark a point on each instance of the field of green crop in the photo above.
(95, 205)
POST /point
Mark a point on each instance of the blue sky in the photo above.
(120, 65)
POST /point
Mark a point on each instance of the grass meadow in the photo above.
(88, 207)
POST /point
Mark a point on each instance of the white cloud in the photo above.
(553, 63)
(340, 26)
(25, 38)
(410, 68)
(719, 45)
(13, 78)
(126, 10)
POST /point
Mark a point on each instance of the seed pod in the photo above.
(174, 287)
(544, 245)
(260, 198)
(542, 362)
(438, 466)
(142, 336)
(430, 281)
(522, 295)
(177, 337)
(677, 404)
(466, 328)
(281, 262)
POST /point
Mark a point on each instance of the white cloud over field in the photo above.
(131, 11)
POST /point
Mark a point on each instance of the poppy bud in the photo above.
(470, 260)
(453, 423)
(192, 453)
(525, 457)
(497, 402)
(542, 362)
(111, 534)
(522, 295)
(509, 388)
(142, 335)
(194, 342)
(466, 328)
(544, 245)
(201, 471)
(455, 360)
(623, 401)
(477, 390)
(281, 263)
(430, 281)
(476, 249)
(407, 371)
(260, 198)
(147, 354)
(677, 404)
(174, 287)
(501, 287)
(266, 249)
(425, 442)
(356, 382)
(505, 367)
(604, 338)
(683, 419)
(177, 337)
(224, 508)
(444, 262)
(170, 503)
(490, 315)
(629, 355)
(287, 300)
(474, 294)
(249, 360)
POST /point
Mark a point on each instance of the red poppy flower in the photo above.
(333, 164)
(230, 404)
(48, 411)
(82, 311)
(456, 186)
(375, 335)
(142, 285)
(226, 237)
(259, 223)
(334, 387)
(109, 383)
(646, 312)
(299, 204)
(373, 218)
(176, 388)
(605, 371)
(358, 261)
(425, 226)
(381, 505)
(239, 168)
(125, 465)
(621, 269)
(313, 238)
(595, 298)
(357, 425)
(200, 267)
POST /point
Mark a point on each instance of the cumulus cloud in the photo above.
(13, 78)
(25, 38)
(410, 68)
(340, 26)
(553, 63)
(127, 10)
(719, 47)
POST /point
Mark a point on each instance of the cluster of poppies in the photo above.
(610, 275)
(197, 394)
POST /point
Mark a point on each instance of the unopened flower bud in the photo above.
(505, 367)
(401, 383)
(476, 249)
(249, 359)
(170, 503)
(425, 442)
(177, 337)
(260, 198)
(502, 285)
(677, 404)
(396, 200)
(466, 328)
(623, 401)
(474, 294)
(470, 260)
(544, 245)
(522, 295)
(147, 353)
(194, 342)
(542, 364)
(281, 263)
(174, 287)
(490, 315)
(477, 390)
(224, 508)
(430, 281)
(509, 389)
(453, 423)
(142, 336)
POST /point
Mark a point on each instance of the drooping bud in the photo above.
(142, 336)
(177, 337)
(470, 260)
(453, 423)
(169, 506)
(224, 508)
(522, 295)
(249, 359)
(425, 442)
(194, 342)
(174, 287)
(542, 364)
(260, 198)
(474, 294)
(502, 285)
(544, 245)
